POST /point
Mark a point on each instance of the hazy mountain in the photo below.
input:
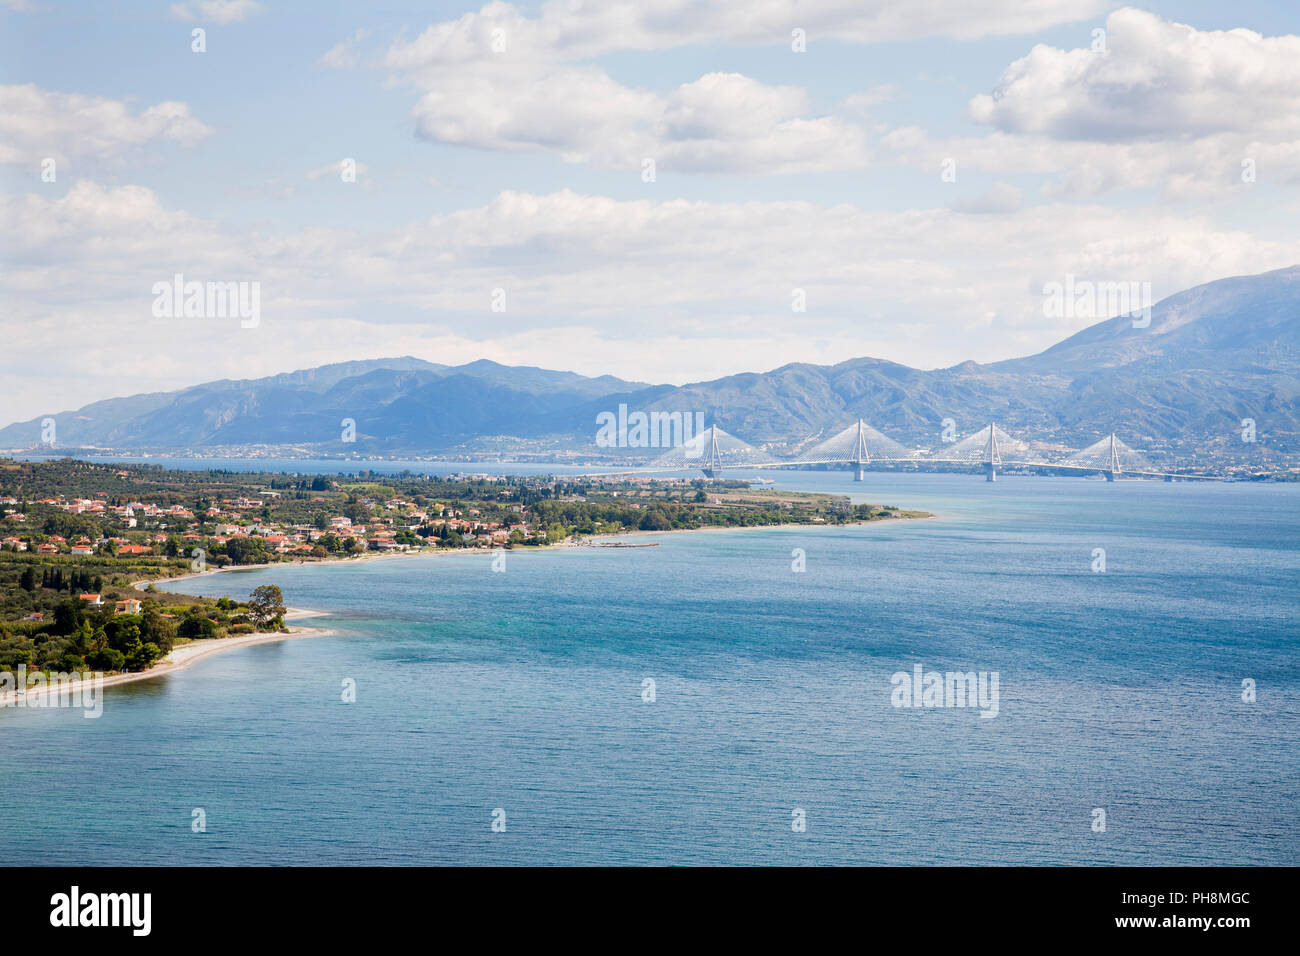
(1210, 357)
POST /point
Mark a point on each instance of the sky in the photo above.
(667, 192)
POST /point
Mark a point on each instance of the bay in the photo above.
(522, 691)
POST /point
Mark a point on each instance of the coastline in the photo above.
(567, 544)
(755, 527)
(187, 654)
(559, 545)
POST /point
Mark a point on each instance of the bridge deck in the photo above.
(1099, 469)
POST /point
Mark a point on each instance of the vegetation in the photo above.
(79, 635)
(76, 536)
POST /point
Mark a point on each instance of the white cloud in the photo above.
(502, 80)
(563, 30)
(672, 290)
(36, 123)
(343, 56)
(220, 12)
(860, 103)
(720, 122)
(1001, 198)
(1155, 80)
(1163, 107)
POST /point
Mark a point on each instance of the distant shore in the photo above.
(524, 549)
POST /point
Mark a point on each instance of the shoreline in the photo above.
(566, 544)
(756, 527)
(187, 654)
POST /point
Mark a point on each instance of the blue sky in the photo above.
(521, 169)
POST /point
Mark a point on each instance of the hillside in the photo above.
(1212, 356)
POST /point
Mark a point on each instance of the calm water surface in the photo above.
(522, 691)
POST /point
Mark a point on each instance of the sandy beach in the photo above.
(186, 654)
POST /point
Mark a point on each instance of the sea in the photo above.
(730, 697)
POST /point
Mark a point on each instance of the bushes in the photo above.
(655, 520)
(69, 663)
(106, 659)
(141, 656)
(197, 627)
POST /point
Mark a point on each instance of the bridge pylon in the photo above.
(992, 457)
(861, 457)
(712, 465)
(1114, 464)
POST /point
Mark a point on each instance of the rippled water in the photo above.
(522, 691)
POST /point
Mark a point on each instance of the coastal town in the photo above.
(138, 528)
(85, 531)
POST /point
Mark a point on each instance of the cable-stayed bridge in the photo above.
(857, 445)
(711, 451)
(860, 445)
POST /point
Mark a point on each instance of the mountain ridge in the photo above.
(1212, 356)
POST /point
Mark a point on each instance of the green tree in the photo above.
(195, 626)
(655, 520)
(67, 616)
(123, 632)
(106, 659)
(142, 656)
(246, 550)
(156, 629)
(266, 605)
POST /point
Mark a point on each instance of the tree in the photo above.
(142, 656)
(246, 550)
(106, 659)
(655, 520)
(195, 626)
(123, 632)
(156, 629)
(266, 605)
(67, 616)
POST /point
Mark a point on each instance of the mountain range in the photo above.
(1211, 357)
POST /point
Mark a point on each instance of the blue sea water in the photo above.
(522, 691)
